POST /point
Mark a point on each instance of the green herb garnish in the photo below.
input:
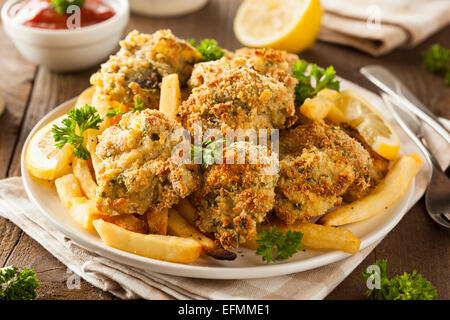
(437, 60)
(72, 129)
(408, 286)
(323, 79)
(17, 285)
(207, 153)
(286, 244)
(113, 112)
(61, 6)
(208, 49)
(138, 106)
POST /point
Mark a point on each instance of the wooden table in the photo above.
(31, 92)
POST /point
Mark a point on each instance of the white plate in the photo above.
(246, 266)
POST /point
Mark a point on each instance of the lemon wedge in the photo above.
(290, 25)
(43, 159)
(371, 125)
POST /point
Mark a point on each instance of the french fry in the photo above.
(178, 226)
(388, 191)
(316, 108)
(329, 93)
(170, 95)
(323, 237)
(83, 174)
(91, 145)
(102, 103)
(81, 209)
(85, 97)
(157, 221)
(129, 222)
(187, 211)
(317, 237)
(167, 248)
(334, 114)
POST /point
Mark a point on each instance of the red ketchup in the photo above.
(39, 14)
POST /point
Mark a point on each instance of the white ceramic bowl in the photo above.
(165, 8)
(67, 50)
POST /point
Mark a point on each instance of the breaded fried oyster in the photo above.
(273, 63)
(136, 172)
(135, 72)
(238, 98)
(234, 198)
(319, 164)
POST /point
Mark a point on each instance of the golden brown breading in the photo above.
(135, 72)
(319, 163)
(377, 171)
(234, 198)
(137, 172)
(273, 63)
(238, 98)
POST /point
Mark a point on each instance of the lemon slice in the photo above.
(43, 159)
(290, 25)
(371, 125)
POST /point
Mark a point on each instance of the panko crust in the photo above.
(238, 98)
(319, 163)
(377, 171)
(234, 198)
(269, 62)
(136, 71)
(137, 172)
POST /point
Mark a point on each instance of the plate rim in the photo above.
(193, 271)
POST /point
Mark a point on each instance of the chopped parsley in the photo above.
(408, 286)
(112, 112)
(286, 244)
(138, 106)
(206, 154)
(208, 49)
(322, 78)
(71, 132)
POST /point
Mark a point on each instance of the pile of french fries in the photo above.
(172, 235)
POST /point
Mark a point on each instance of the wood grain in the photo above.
(30, 92)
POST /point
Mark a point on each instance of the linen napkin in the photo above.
(130, 283)
(379, 26)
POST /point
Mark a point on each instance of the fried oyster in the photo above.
(319, 165)
(234, 198)
(137, 171)
(238, 98)
(136, 71)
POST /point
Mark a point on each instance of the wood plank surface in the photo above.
(31, 92)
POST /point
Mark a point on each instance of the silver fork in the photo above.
(437, 196)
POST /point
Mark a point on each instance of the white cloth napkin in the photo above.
(129, 283)
(379, 26)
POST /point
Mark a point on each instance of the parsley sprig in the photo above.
(206, 154)
(408, 286)
(322, 78)
(61, 6)
(275, 245)
(71, 132)
(209, 49)
(138, 106)
(17, 285)
(437, 60)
